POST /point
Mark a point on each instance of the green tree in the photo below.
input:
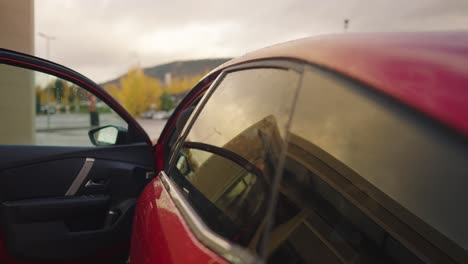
(39, 92)
(58, 89)
(167, 102)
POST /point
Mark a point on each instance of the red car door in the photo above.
(72, 165)
(160, 233)
(371, 172)
(209, 202)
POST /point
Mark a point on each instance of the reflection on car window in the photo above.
(227, 194)
(360, 175)
(239, 102)
(243, 134)
(41, 109)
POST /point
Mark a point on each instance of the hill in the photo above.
(178, 69)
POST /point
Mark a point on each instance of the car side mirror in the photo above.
(183, 165)
(108, 135)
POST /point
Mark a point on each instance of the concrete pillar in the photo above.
(17, 96)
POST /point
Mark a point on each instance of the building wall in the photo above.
(17, 96)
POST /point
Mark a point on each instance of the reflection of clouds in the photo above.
(243, 99)
(405, 158)
(347, 127)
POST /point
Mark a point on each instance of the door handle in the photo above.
(96, 183)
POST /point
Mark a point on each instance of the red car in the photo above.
(336, 149)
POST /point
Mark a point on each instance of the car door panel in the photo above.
(136, 153)
(54, 175)
(49, 171)
(61, 235)
(41, 221)
(160, 233)
(48, 228)
(63, 204)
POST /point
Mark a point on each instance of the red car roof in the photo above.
(427, 71)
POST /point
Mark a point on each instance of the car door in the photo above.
(360, 177)
(72, 165)
(209, 202)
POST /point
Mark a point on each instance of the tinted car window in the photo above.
(368, 180)
(231, 153)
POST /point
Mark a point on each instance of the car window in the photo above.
(232, 203)
(227, 161)
(180, 124)
(367, 180)
(41, 109)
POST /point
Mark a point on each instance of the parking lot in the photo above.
(72, 129)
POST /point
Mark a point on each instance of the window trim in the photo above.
(203, 233)
(224, 153)
(190, 121)
(283, 64)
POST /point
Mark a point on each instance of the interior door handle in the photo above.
(96, 183)
(88, 164)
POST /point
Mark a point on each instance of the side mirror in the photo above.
(108, 135)
(183, 165)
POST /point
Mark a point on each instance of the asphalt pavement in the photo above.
(72, 129)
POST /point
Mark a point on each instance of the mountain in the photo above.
(178, 69)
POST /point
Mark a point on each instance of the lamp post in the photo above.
(346, 24)
(48, 38)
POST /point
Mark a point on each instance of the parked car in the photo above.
(158, 115)
(162, 115)
(149, 114)
(336, 149)
(43, 109)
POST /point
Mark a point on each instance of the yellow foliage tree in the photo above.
(40, 95)
(113, 90)
(137, 92)
(181, 84)
(67, 90)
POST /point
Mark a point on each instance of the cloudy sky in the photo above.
(104, 38)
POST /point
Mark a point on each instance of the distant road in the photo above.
(72, 129)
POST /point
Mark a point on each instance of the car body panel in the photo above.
(160, 234)
(426, 71)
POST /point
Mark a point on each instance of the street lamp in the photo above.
(48, 38)
(346, 24)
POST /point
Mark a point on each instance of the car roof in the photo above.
(427, 71)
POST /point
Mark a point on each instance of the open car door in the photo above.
(72, 164)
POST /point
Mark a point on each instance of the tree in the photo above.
(183, 84)
(113, 90)
(74, 97)
(167, 102)
(39, 92)
(58, 89)
(137, 92)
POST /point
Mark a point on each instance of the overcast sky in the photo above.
(104, 38)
